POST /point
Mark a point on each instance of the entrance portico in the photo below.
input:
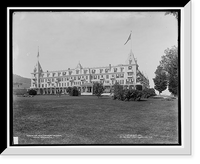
(87, 89)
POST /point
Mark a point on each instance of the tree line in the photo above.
(166, 74)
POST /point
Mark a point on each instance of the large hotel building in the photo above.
(53, 82)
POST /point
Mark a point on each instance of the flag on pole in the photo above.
(129, 38)
(38, 52)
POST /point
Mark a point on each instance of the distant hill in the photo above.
(21, 82)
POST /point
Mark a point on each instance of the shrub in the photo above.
(125, 94)
(74, 92)
(148, 92)
(32, 92)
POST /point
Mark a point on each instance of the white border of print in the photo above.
(185, 149)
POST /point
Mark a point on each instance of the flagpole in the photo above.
(38, 54)
(131, 40)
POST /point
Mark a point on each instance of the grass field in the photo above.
(92, 120)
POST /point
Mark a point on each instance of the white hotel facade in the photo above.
(53, 82)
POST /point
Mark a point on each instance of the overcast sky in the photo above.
(93, 38)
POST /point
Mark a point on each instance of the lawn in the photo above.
(91, 120)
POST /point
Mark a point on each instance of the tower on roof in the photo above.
(79, 66)
(131, 59)
(38, 67)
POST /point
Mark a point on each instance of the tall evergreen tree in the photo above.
(98, 89)
(160, 80)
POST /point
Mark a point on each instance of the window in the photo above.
(122, 69)
(130, 67)
(77, 71)
(86, 77)
(115, 69)
(122, 75)
(130, 73)
(107, 76)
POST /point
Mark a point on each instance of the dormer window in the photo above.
(77, 71)
(70, 72)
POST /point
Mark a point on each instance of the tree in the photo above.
(173, 83)
(173, 13)
(118, 91)
(169, 63)
(98, 89)
(160, 80)
(69, 90)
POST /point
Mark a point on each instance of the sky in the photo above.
(92, 38)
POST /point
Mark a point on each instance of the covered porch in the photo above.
(87, 89)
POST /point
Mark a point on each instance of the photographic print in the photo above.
(93, 77)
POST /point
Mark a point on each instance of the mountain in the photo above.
(21, 82)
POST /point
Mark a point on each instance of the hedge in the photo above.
(122, 94)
